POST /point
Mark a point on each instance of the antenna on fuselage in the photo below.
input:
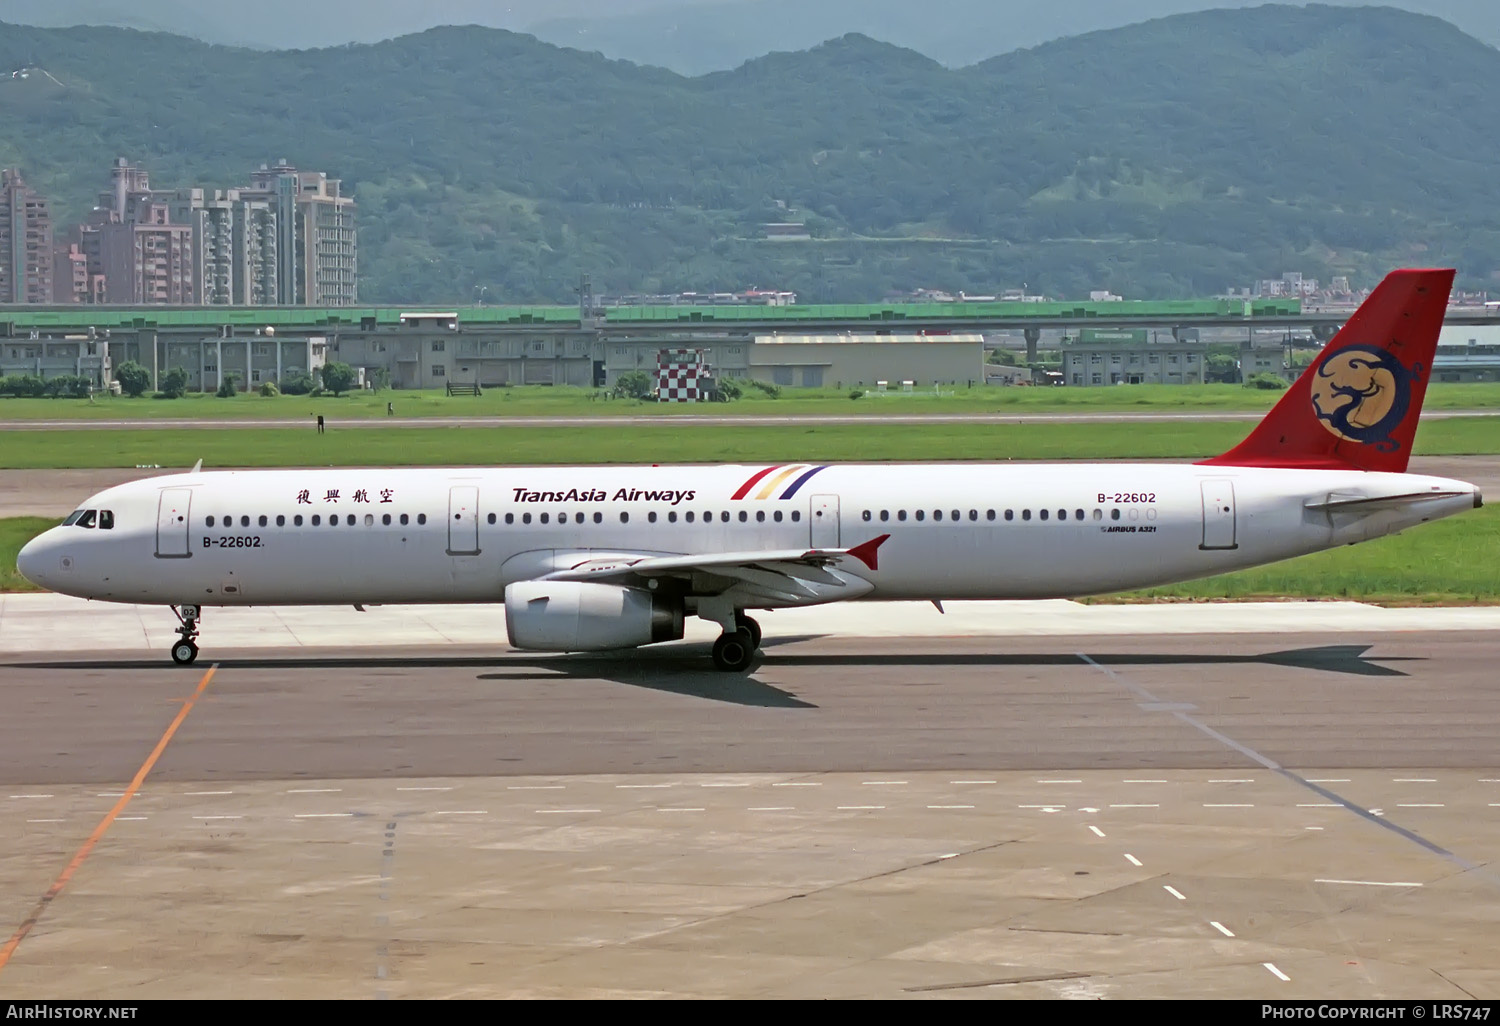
(196, 467)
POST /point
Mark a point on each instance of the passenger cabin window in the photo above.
(421, 518)
(297, 520)
(263, 520)
(207, 521)
(281, 520)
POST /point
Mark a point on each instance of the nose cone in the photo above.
(32, 558)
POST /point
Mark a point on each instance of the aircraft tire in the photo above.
(184, 652)
(745, 623)
(733, 652)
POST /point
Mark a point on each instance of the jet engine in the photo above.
(569, 616)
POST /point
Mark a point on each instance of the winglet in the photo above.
(196, 467)
(866, 553)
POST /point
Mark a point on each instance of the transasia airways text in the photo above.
(598, 495)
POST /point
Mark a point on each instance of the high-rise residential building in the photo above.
(234, 245)
(71, 281)
(25, 242)
(148, 259)
(316, 240)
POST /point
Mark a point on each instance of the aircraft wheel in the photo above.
(733, 652)
(184, 652)
(745, 623)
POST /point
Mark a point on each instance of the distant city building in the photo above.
(286, 239)
(235, 245)
(1104, 296)
(316, 241)
(1467, 353)
(786, 230)
(749, 297)
(148, 260)
(25, 242)
(71, 281)
(1131, 356)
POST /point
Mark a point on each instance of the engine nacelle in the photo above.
(570, 616)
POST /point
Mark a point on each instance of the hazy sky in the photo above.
(300, 23)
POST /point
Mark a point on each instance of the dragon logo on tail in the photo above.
(1361, 394)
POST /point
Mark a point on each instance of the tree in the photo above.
(134, 379)
(226, 386)
(1221, 367)
(174, 383)
(380, 378)
(297, 382)
(633, 385)
(338, 377)
(1266, 381)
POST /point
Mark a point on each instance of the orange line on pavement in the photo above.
(109, 817)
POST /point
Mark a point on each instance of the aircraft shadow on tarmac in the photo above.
(1331, 658)
(681, 669)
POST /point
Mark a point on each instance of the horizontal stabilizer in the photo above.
(1375, 503)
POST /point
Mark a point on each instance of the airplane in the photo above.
(601, 558)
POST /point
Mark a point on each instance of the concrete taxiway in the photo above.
(1014, 800)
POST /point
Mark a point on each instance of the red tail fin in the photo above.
(1356, 406)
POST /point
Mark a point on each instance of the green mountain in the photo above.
(1170, 158)
(696, 38)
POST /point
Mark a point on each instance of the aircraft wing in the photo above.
(791, 576)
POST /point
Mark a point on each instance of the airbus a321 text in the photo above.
(599, 558)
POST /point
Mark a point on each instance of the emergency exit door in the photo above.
(1218, 515)
(172, 523)
(463, 520)
(823, 518)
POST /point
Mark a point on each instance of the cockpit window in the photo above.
(74, 517)
(87, 520)
(106, 520)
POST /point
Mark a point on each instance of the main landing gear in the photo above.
(186, 649)
(735, 650)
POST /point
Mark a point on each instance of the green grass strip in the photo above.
(686, 443)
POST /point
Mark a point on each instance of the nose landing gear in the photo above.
(186, 649)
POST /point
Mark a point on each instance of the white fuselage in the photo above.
(956, 531)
